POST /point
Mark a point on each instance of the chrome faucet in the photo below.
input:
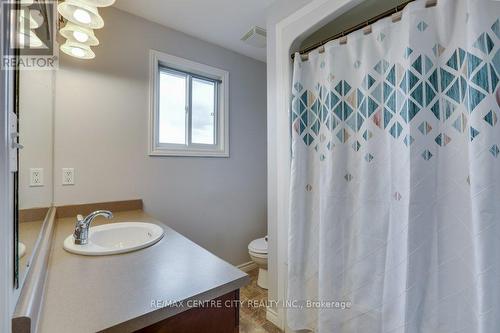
(81, 233)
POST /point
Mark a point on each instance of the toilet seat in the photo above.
(258, 246)
(258, 255)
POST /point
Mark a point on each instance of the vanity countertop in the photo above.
(116, 293)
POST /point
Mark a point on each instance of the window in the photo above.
(189, 108)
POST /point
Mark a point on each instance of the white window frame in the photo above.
(160, 61)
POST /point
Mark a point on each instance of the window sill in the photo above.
(188, 153)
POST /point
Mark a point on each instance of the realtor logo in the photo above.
(32, 28)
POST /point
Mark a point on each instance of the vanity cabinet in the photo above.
(125, 286)
(215, 317)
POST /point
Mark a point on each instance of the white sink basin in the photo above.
(21, 249)
(116, 238)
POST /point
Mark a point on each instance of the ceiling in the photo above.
(221, 22)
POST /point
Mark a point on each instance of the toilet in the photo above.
(258, 252)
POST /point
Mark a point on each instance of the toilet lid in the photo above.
(258, 246)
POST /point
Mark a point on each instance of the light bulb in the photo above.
(80, 36)
(81, 13)
(77, 52)
(77, 33)
(82, 16)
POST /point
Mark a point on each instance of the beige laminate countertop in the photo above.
(115, 293)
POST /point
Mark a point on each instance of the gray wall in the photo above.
(101, 123)
(36, 107)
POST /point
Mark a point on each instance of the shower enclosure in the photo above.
(395, 176)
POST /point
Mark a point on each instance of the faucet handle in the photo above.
(79, 221)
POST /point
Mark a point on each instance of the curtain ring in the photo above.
(398, 15)
(343, 39)
(368, 29)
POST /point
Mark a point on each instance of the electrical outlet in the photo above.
(36, 177)
(68, 176)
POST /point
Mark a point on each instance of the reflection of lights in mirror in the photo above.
(76, 33)
(80, 36)
(82, 17)
(77, 50)
(100, 3)
(82, 13)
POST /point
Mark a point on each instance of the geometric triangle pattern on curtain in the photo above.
(395, 176)
(391, 95)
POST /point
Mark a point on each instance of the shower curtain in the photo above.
(395, 177)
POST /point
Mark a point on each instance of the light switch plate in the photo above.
(68, 176)
(36, 177)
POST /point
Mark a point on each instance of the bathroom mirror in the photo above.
(34, 106)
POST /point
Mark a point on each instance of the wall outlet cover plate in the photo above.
(68, 176)
(36, 177)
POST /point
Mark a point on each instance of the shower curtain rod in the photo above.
(365, 24)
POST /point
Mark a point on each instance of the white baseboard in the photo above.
(272, 316)
(248, 266)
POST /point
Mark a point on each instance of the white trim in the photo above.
(272, 316)
(8, 295)
(288, 34)
(248, 266)
(221, 149)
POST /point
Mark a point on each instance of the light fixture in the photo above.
(77, 50)
(100, 3)
(77, 33)
(82, 13)
(81, 36)
(82, 17)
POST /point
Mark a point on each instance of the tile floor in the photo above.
(253, 311)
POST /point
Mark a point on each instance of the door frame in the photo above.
(7, 291)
